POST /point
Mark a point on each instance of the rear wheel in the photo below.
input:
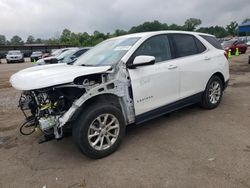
(99, 130)
(213, 93)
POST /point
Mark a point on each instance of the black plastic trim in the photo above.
(226, 84)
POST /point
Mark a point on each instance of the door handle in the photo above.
(170, 67)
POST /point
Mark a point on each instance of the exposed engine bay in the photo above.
(46, 106)
(49, 109)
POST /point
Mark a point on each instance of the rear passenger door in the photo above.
(193, 62)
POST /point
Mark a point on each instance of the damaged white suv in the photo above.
(123, 80)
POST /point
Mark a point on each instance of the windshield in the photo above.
(14, 52)
(108, 52)
(57, 52)
(66, 53)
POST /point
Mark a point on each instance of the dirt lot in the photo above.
(190, 148)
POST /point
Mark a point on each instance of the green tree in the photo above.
(74, 39)
(149, 26)
(30, 39)
(191, 24)
(16, 40)
(2, 40)
(65, 36)
(84, 39)
(232, 28)
(218, 31)
(175, 27)
(119, 32)
(38, 41)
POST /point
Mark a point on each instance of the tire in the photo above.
(88, 123)
(209, 100)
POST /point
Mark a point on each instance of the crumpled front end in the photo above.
(43, 108)
(52, 109)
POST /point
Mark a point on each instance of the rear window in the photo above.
(213, 41)
(185, 45)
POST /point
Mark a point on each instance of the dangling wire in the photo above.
(29, 126)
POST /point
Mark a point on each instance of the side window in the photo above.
(213, 41)
(184, 44)
(80, 52)
(157, 46)
(200, 46)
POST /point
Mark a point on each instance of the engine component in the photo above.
(47, 123)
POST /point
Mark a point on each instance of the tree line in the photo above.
(68, 37)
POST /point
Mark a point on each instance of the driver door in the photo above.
(156, 85)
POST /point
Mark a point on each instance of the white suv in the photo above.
(123, 80)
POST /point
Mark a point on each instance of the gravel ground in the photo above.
(189, 148)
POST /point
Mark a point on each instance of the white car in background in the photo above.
(52, 59)
(248, 43)
(14, 56)
(123, 80)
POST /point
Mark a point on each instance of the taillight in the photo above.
(226, 54)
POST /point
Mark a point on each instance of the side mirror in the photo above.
(142, 60)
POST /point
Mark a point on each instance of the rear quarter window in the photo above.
(213, 41)
(186, 45)
(200, 46)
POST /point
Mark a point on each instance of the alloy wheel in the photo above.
(103, 131)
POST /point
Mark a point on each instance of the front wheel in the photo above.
(213, 93)
(99, 130)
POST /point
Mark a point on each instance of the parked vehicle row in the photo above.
(63, 55)
(121, 81)
(66, 55)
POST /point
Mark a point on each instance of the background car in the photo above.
(36, 55)
(73, 55)
(248, 41)
(14, 56)
(68, 56)
(233, 44)
(50, 59)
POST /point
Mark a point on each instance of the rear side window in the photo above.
(200, 46)
(80, 52)
(185, 45)
(213, 41)
(157, 46)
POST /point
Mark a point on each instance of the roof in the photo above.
(245, 24)
(245, 27)
(151, 33)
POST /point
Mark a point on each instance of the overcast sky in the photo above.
(47, 18)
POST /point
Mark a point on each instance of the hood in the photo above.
(50, 75)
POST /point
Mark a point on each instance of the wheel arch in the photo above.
(101, 98)
(221, 76)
